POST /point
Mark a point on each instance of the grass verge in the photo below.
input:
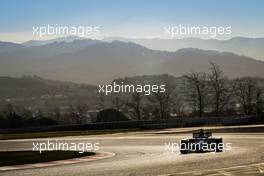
(29, 157)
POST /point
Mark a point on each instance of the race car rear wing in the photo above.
(202, 134)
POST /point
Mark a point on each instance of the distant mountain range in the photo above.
(45, 42)
(9, 46)
(252, 47)
(95, 61)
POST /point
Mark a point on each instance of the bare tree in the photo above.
(39, 112)
(77, 112)
(196, 91)
(116, 101)
(24, 112)
(136, 104)
(12, 116)
(221, 89)
(56, 113)
(178, 105)
(247, 94)
(101, 102)
(259, 101)
(162, 100)
(9, 110)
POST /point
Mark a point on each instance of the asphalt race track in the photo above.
(144, 153)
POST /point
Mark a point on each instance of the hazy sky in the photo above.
(129, 18)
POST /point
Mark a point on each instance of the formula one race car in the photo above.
(202, 141)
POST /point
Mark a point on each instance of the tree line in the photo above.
(208, 93)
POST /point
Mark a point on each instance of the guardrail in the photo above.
(144, 124)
